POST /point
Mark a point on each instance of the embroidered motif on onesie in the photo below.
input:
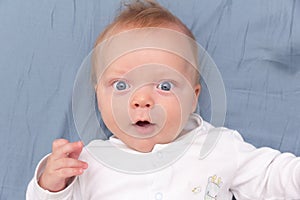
(196, 190)
(213, 187)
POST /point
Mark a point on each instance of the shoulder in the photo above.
(212, 140)
(205, 129)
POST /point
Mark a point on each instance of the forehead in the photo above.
(145, 45)
(147, 57)
(149, 64)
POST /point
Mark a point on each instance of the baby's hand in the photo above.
(62, 165)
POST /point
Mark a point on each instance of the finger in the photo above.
(69, 172)
(58, 143)
(75, 154)
(70, 163)
(67, 149)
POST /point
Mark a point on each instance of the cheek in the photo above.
(180, 108)
(109, 120)
(100, 101)
(173, 111)
(104, 106)
(103, 98)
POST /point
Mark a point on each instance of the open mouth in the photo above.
(142, 123)
(144, 127)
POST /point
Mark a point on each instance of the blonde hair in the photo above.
(143, 14)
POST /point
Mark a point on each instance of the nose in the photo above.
(142, 99)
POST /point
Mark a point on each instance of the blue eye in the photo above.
(120, 85)
(165, 86)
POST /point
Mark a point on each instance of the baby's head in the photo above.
(146, 77)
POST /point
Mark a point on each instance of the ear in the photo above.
(197, 90)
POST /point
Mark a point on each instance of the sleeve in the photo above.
(265, 173)
(35, 192)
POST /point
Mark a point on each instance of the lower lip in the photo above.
(145, 130)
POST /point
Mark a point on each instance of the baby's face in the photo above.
(145, 97)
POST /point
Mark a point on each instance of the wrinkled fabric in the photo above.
(230, 167)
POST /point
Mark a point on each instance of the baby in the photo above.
(147, 97)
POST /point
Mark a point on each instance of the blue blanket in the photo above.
(255, 44)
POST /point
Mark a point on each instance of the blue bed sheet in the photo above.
(255, 44)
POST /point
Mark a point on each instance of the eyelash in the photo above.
(115, 85)
(127, 86)
(170, 86)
